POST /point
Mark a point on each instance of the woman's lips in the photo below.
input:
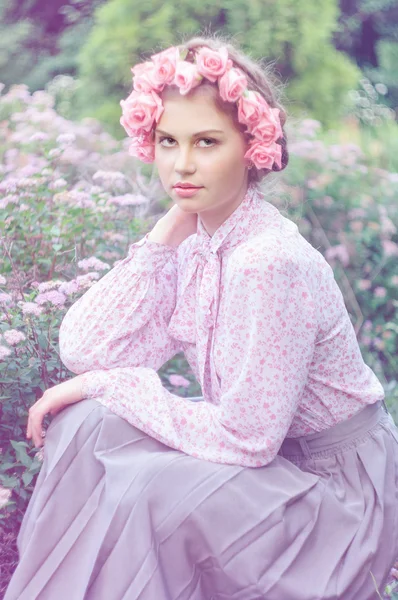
(186, 192)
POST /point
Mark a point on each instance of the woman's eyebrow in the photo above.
(194, 134)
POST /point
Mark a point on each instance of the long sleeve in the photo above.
(272, 322)
(122, 319)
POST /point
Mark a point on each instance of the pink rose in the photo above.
(165, 65)
(140, 111)
(142, 148)
(269, 128)
(263, 157)
(251, 107)
(146, 78)
(232, 84)
(213, 63)
(186, 76)
(141, 67)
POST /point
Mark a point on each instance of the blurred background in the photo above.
(72, 200)
(337, 58)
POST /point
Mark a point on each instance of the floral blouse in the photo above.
(261, 320)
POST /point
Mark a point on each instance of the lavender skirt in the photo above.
(117, 515)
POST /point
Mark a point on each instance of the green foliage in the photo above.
(39, 40)
(362, 23)
(368, 31)
(19, 468)
(15, 60)
(123, 31)
(379, 143)
(63, 60)
(387, 70)
(291, 35)
(48, 13)
(346, 207)
(286, 33)
(367, 106)
(70, 192)
(323, 86)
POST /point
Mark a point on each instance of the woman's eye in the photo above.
(208, 140)
(212, 142)
(165, 138)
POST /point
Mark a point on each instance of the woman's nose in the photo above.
(184, 162)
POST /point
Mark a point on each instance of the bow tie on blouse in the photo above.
(199, 289)
(207, 258)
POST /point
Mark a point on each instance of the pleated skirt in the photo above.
(117, 515)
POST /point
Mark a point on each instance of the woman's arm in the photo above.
(271, 317)
(122, 319)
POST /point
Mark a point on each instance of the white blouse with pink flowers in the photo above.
(262, 323)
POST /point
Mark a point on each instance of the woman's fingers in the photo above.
(35, 421)
(53, 401)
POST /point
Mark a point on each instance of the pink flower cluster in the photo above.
(143, 107)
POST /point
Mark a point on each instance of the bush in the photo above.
(296, 37)
(72, 201)
(345, 205)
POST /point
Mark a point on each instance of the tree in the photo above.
(368, 31)
(39, 39)
(295, 36)
(124, 31)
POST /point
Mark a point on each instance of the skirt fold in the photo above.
(117, 515)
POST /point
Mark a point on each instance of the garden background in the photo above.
(72, 200)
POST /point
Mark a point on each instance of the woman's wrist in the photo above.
(166, 238)
(174, 227)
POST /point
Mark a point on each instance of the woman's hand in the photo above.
(53, 400)
(174, 227)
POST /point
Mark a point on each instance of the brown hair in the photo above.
(260, 78)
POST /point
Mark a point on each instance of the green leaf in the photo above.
(23, 494)
(20, 443)
(9, 482)
(35, 466)
(20, 451)
(27, 477)
(7, 465)
(43, 342)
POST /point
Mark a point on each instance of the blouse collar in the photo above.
(232, 231)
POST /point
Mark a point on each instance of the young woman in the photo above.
(281, 482)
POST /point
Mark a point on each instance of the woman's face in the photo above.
(196, 143)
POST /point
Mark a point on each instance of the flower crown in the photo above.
(144, 107)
